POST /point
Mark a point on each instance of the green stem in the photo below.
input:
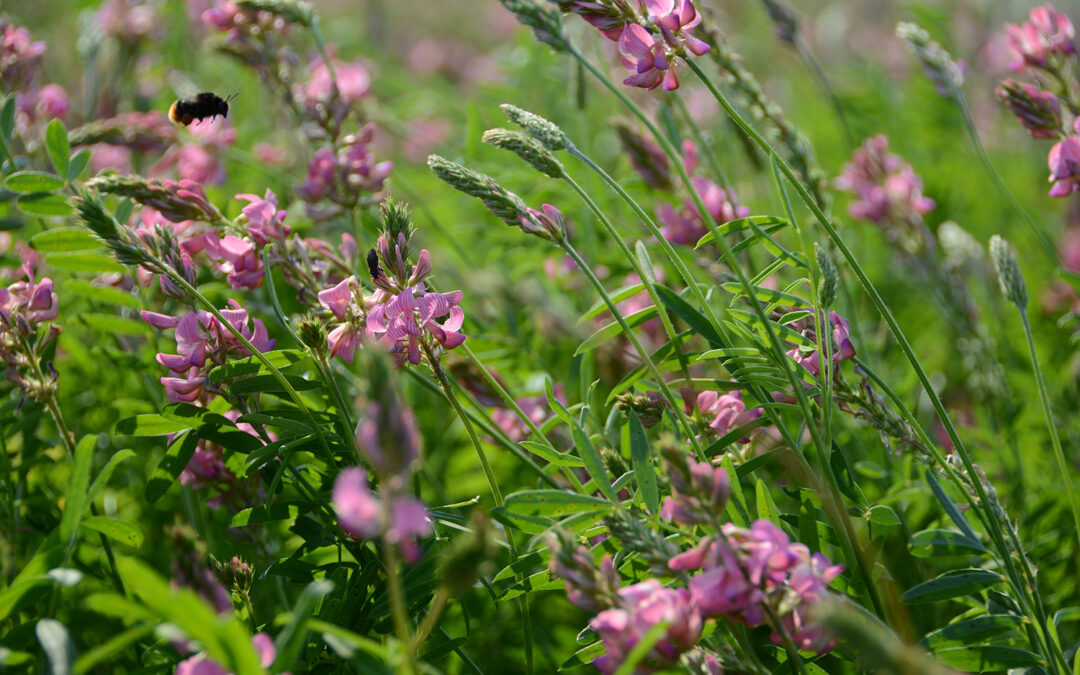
(397, 606)
(1055, 440)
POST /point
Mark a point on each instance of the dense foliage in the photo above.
(538, 335)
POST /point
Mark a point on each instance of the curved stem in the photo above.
(397, 606)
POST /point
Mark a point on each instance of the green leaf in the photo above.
(58, 147)
(691, 316)
(224, 639)
(75, 497)
(78, 164)
(611, 330)
(987, 658)
(109, 294)
(293, 636)
(45, 205)
(170, 466)
(972, 631)
(106, 651)
(7, 116)
(768, 295)
(31, 182)
(883, 515)
(115, 325)
(952, 584)
(934, 543)
(593, 464)
(553, 503)
(64, 239)
(265, 514)
(48, 556)
(56, 643)
(644, 471)
(948, 505)
(106, 472)
(657, 632)
(95, 263)
(114, 529)
(251, 365)
(552, 456)
(740, 224)
(617, 296)
(267, 383)
(193, 416)
(149, 425)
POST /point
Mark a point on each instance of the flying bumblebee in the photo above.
(199, 107)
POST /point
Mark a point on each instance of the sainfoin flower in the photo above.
(652, 57)
(842, 347)
(745, 570)
(686, 226)
(726, 411)
(398, 518)
(886, 186)
(1064, 162)
(203, 343)
(202, 664)
(1045, 33)
(405, 314)
(348, 305)
(644, 605)
(1037, 109)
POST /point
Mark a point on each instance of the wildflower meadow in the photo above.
(538, 336)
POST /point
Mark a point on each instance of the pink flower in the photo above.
(202, 664)
(236, 258)
(388, 436)
(843, 349)
(727, 410)
(1045, 33)
(20, 57)
(886, 186)
(1064, 161)
(264, 220)
(320, 179)
(698, 497)
(399, 519)
(353, 80)
(687, 226)
(406, 316)
(359, 511)
(348, 305)
(52, 102)
(652, 59)
(114, 157)
(645, 605)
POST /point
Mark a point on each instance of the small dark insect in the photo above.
(373, 264)
(207, 104)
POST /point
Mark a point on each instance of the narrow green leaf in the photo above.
(281, 358)
(644, 471)
(988, 658)
(149, 425)
(75, 497)
(617, 296)
(883, 515)
(86, 663)
(109, 294)
(768, 295)
(553, 503)
(972, 631)
(934, 543)
(193, 416)
(551, 456)
(7, 116)
(58, 147)
(264, 514)
(740, 224)
(168, 469)
(64, 239)
(948, 505)
(613, 329)
(291, 639)
(106, 472)
(114, 529)
(952, 585)
(695, 319)
(31, 182)
(593, 464)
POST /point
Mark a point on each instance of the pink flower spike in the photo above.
(359, 511)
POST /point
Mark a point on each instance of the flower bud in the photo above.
(646, 157)
(830, 278)
(538, 127)
(544, 19)
(527, 148)
(1039, 111)
(548, 223)
(1008, 271)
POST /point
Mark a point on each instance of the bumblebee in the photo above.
(373, 264)
(201, 106)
